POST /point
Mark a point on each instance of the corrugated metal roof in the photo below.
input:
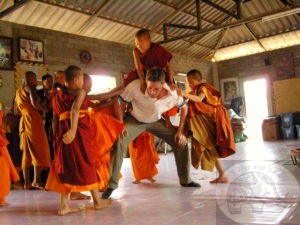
(118, 20)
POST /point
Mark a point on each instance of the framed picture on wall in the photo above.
(31, 50)
(6, 53)
(229, 89)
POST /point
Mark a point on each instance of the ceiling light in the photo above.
(281, 14)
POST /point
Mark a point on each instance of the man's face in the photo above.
(154, 88)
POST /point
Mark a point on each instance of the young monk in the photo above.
(33, 138)
(72, 169)
(8, 172)
(212, 135)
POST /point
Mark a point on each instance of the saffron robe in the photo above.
(143, 156)
(212, 132)
(8, 172)
(33, 139)
(72, 169)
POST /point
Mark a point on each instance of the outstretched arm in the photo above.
(194, 98)
(104, 96)
(71, 133)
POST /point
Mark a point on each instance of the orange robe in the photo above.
(105, 131)
(8, 172)
(33, 138)
(212, 132)
(143, 156)
(72, 169)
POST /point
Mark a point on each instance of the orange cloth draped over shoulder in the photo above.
(212, 131)
(105, 131)
(72, 168)
(8, 172)
(33, 139)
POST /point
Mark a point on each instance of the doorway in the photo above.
(256, 101)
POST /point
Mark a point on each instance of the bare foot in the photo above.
(103, 203)
(136, 182)
(38, 186)
(78, 196)
(151, 180)
(65, 211)
(221, 179)
(3, 203)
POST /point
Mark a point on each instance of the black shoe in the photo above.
(191, 184)
(107, 193)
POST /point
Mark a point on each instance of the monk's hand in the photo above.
(124, 132)
(143, 86)
(69, 136)
(172, 85)
(180, 138)
(179, 91)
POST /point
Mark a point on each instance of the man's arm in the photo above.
(139, 68)
(180, 137)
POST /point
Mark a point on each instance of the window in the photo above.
(102, 83)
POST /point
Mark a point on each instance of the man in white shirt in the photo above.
(147, 109)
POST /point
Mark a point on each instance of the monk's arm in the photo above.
(170, 74)
(194, 98)
(118, 109)
(75, 110)
(138, 64)
(104, 96)
(35, 101)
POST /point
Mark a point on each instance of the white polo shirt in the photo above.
(147, 109)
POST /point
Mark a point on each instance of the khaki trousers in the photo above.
(158, 129)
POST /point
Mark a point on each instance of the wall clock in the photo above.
(85, 57)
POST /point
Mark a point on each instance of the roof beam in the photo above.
(254, 36)
(13, 8)
(222, 26)
(183, 10)
(220, 8)
(95, 15)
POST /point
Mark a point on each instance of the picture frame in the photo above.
(6, 53)
(31, 50)
(229, 89)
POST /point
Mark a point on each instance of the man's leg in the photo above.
(134, 129)
(181, 152)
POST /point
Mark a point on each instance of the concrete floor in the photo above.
(263, 189)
